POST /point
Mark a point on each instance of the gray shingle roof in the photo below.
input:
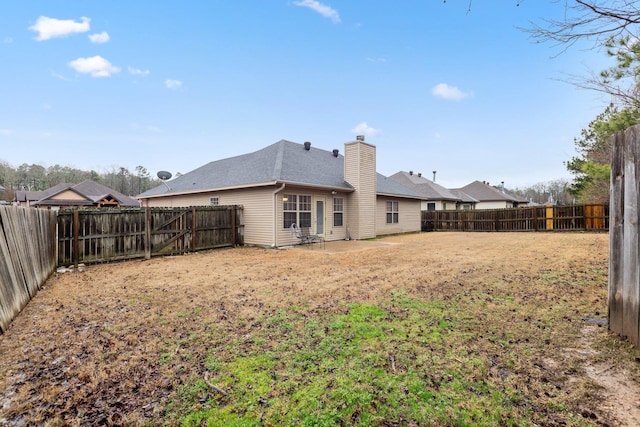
(389, 187)
(284, 161)
(428, 189)
(90, 190)
(486, 193)
(464, 197)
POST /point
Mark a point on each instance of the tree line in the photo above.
(34, 177)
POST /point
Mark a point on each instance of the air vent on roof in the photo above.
(307, 145)
(419, 174)
(360, 138)
(411, 173)
(335, 152)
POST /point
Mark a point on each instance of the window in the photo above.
(304, 214)
(431, 206)
(296, 209)
(392, 212)
(338, 211)
(289, 208)
(214, 201)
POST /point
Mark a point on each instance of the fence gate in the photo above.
(99, 235)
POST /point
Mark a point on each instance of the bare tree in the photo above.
(597, 20)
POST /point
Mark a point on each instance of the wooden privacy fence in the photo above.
(100, 235)
(27, 257)
(537, 218)
(624, 254)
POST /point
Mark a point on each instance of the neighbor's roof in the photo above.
(464, 197)
(388, 187)
(90, 190)
(428, 189)
(485, 193)
(282, 162)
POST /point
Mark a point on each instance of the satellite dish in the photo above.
(164, 175)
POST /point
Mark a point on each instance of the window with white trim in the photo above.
(392, 212)
(338, 211)
(296, 209)
(214, 201)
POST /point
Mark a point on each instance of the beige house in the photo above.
(87, 194)
(434, 196)
(488, 197)
(338, 197)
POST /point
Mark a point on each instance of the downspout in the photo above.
(275, 218)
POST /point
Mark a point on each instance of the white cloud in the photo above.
(364, 128)
(5, 132)
(138, 72)
(173, 84)
(7, 40)
(97, 66)
(445, 91)
(102, 37)
(48, 28)
(322, 9)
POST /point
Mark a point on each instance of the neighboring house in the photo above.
(86, 194)
(465, 202)
(435, 196)
(489, 197)
(337, 197)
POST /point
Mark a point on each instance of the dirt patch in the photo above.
(112, 345)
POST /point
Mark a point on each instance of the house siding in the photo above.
(499, 204)
(408, 216)
(440, 205)
(284, 236)
(258, 208)
(360, 172)
(68, 195)
(257, 203)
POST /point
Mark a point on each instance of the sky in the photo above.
(451, 86)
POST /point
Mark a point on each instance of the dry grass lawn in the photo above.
(153, 342)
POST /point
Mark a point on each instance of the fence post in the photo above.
(616, 235)
(147, 233)
(193, 228)
(76, 238)
(234, 232)
(549, 217)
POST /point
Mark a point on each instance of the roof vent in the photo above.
(360, 138)
(335, 152)
(411, 173)
(419, 174)
(307, 145)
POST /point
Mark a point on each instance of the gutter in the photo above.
(273, 215)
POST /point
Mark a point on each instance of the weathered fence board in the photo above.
(537, 218)
(91, 236)
(27, 257)
(616, 236)
(624, 276)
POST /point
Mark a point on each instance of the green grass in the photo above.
(400, 361)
